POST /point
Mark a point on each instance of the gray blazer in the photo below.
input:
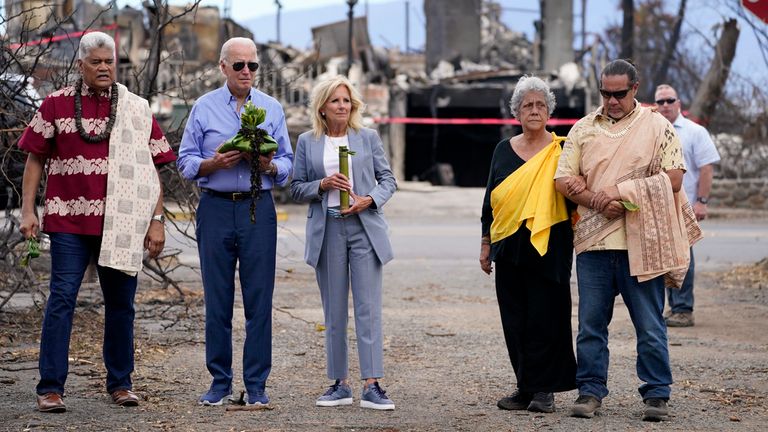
(371, 174)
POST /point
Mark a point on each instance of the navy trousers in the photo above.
(226, 236)
(70, 256)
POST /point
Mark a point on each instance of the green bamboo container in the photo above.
(344, 169)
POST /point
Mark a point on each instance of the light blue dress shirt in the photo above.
(698, 150)
(214, 119)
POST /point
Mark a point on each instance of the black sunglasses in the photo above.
(668, 101)
(619, 95)
(238, 66)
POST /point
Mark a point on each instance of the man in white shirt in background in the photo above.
(700, 155)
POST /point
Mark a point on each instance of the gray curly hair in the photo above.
(527, 84)
(93, 40)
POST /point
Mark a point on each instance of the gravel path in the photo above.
(444, 355)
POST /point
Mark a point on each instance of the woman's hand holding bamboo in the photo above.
(359, 203)
(335, 181)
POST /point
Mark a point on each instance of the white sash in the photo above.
(133, 186)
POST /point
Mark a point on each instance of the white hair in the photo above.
(232, 42)
(93, 40)
(527, 84)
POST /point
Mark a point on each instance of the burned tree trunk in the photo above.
(627, 29)
(157, 16)
(711, 88)
(661, 74)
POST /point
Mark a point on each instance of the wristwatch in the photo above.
(702, 200)
(159, 218)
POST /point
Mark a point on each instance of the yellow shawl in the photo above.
(529, 195)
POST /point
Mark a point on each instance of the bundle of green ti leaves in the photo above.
(250, 137)
(33, 251)
(254, 140)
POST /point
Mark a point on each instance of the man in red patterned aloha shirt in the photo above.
(99, 146)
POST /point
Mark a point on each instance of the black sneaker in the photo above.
(542, 402)
(655, 410)
(585, 406)
(516, 401)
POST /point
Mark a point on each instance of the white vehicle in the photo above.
(20, 90)
(18, 102)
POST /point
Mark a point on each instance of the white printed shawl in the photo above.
(133, 186)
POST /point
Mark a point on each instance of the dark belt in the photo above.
(232, 196)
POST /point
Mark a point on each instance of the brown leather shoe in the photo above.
(125, 398)
(50, 402)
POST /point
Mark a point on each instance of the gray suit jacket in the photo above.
(371, 174)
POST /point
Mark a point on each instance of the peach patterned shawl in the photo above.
(660, 233)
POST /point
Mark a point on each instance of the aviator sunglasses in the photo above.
(668, 101)
(621, 94)
(238, 66)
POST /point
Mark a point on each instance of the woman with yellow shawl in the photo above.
(526, 230)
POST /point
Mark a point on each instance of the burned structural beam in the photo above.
(556, 34)
(466, 149)
(453, 31)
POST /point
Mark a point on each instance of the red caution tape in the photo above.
(57, 38)
(464, 121)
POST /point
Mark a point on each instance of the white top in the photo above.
(331, 165)
(698, 150)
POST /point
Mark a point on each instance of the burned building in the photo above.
(440, 113)
(445, 130)
(190, 39)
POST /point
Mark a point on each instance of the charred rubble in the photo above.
(467, 74)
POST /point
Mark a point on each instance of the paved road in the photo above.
(428, 221)
(729, 242)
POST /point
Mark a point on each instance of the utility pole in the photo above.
(279, 7)
(227, 8)
(407, 28)
(351, 16)
(583, 26)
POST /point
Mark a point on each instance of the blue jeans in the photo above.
(601, 276)
(70, 256)
(226, 236)
(681, 300)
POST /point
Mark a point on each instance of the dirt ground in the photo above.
(445, 360)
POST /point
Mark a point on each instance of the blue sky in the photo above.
(700, 14)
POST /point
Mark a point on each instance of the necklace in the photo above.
(79, 114)
(336, 142)
(621, 132)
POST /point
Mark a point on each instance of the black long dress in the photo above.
(533, 292)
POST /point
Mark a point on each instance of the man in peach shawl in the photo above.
(634, 230)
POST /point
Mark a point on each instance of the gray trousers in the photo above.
(347, 256)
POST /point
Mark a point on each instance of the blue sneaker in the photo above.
(258, 397)
(374, 397)
(337, 394)
(215, 398)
